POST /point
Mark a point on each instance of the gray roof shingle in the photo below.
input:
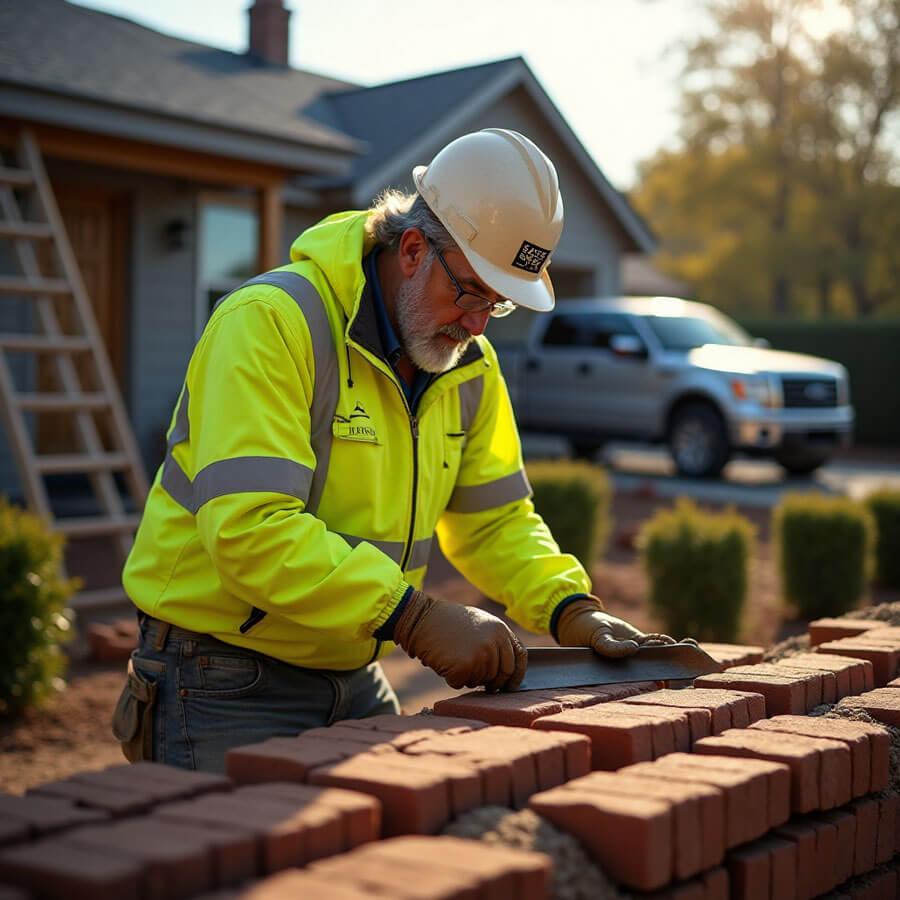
(63, 48)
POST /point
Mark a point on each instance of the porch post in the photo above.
(271, 224)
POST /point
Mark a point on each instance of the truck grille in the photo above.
(809, 391)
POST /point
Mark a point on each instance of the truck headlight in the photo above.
(754, 390)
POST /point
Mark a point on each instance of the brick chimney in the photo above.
(269, 31)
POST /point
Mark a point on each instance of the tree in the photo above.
(790, 191)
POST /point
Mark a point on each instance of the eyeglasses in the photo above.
(470, 301)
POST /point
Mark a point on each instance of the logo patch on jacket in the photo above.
(355, 427)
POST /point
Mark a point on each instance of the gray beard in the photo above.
(423, 346)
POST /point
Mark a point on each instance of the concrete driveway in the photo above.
(745, 482)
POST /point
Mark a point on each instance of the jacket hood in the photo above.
(337, 245)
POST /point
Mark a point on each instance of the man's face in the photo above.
(435, 332)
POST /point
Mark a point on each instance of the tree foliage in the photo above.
(785, 195)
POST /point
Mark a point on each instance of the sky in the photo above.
(610, 66)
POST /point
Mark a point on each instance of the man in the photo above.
(335, 414)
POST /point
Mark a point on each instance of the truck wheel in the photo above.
(698, 442)
(799, 463)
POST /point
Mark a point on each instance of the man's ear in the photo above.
(411, 251)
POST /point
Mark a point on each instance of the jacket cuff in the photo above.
(566, 601)
(385, 632)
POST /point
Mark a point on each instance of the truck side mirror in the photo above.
(627, 345)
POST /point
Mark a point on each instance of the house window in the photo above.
(229, 249)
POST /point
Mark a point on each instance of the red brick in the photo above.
(461, 777)
(734, 654)
(115, 801)
(845, 823)
(744, 790)
(517, 708)
(503, 872)
(802, 832)
(689, 724)
(576, 750)
(676, 738)
(750, 872)
(196, 782)
(360, 813)
(782, 867)
(56, 868)
(631, 837)
(12, 831)
(817, 691)
(177, 861)
(45, 815)
(866, 810)
(294, 883)
(826, 857)
(717, 884)
(866, 742)
(385, 878)
(820, 768)
(236, 847)
(414, 800)
(700, 718)
(882, 704)
(784, 695)
(280, 759)
(128, 780)
(887, 819)
(883, 656)
(849, 673)
(693, 853)
(728, 709)
(830, 629)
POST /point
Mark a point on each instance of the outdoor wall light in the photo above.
(176, 233)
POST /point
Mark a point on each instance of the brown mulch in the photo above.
(73, 732)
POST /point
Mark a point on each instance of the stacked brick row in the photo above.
(154, 832)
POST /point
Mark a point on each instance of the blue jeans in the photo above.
(211, 696)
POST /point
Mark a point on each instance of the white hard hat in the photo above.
(498, 196)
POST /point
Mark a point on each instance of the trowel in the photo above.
(560, 667)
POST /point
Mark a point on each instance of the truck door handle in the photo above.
(532, 365)
(584, 368)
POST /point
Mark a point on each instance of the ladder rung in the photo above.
(34, 286)
(100, 598)
(16, 177)
(30, 230)
(60, 463)
(33, 343)
(94, 526)
(61, 402)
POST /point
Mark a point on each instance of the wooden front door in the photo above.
(97, 223)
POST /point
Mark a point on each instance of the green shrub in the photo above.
(33, 618)
(884, 505)
(824, 547)
(573, 498)
(697, 564)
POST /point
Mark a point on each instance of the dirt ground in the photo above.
(73, 733)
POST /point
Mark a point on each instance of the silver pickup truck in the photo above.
(661, 369)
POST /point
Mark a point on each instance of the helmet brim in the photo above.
(530, 293)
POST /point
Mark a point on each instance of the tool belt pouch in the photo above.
(132, 722)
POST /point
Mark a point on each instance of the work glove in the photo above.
(583, 623)
(464, 645)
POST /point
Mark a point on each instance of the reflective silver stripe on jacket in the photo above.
(394, 549)
(260, 473)
(469, 400)
(479, 497)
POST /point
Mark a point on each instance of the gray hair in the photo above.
(393, 212)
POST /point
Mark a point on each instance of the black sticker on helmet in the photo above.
(530, 257)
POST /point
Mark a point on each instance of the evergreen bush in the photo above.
(884, 505)
(824, 546)
(33, 619)
(697, 563)
(573, 498)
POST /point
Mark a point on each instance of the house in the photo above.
(180, 169)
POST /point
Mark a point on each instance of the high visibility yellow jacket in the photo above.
(299, 496)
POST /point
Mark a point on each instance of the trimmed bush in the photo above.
(33, 618)
(573, 498)
(824, 546)
(697, 563)
(884, 504)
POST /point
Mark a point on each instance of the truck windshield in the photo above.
(687, 332)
